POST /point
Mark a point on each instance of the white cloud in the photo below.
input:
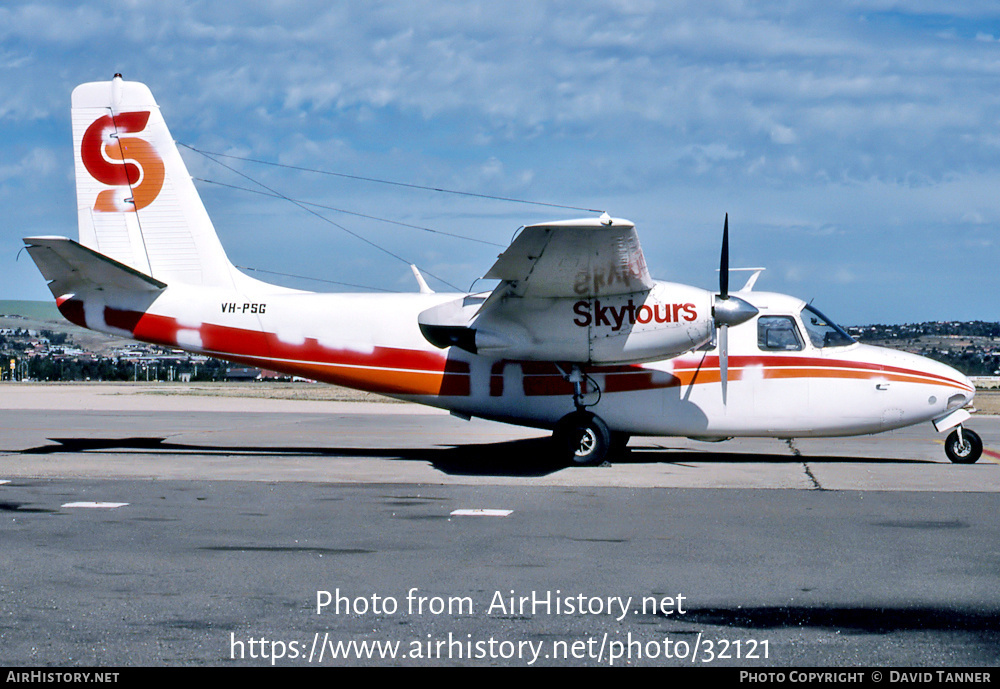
(783, 135)
(847, 115)
(36, 164)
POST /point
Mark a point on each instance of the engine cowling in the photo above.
(659, 323)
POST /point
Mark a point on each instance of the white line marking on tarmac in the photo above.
(481, 512)
(97, 505)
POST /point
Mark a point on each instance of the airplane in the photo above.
(577, 337)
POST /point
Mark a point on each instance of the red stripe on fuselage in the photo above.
(772, 363)
(548, 379)
(386, 370)
(72, 310)
(420, 372)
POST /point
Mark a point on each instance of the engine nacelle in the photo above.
(659, 323)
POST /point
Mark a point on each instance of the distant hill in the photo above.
(34, 310)
(972, 347)
(43, 315)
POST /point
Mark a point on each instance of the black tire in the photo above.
(619, 444)
(964, 453)
(583, 438)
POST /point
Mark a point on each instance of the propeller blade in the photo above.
(724, 359)
(727, 310)
(724, 262)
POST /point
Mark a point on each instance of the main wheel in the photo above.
(966, 450)
(584, 438)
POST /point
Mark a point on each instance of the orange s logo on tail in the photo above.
(122, 162)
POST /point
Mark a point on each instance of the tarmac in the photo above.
(143, 528)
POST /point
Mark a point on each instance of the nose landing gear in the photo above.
(963, 446)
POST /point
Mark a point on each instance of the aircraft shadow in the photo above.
(863, 620)
(530, 457)
(526, 458)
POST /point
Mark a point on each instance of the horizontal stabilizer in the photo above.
(71, 267)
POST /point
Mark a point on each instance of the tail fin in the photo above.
(137, 203)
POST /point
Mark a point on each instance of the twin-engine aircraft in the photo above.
(577, 337)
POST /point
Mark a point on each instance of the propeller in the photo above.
(728, 310)
(724, 262)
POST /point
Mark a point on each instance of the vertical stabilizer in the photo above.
(136, 201)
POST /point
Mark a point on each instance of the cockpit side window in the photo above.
(822, 331)
(778, 333)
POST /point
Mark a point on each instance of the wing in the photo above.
(576, 291)
(573, 258)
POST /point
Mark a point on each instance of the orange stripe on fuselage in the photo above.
(705, 371)
(384, 370)
(402, 371)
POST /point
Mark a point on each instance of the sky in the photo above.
(854, 145)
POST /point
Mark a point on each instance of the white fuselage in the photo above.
(373, 342)
(577, 336)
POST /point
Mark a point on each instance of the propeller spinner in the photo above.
(727, 310)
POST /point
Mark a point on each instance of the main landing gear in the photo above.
(963, 446)
(582, 436)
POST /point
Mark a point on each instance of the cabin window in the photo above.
(822, 331)
(778, 333)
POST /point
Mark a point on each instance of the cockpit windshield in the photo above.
(822, 331)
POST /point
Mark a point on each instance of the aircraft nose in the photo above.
(972, 388)
(950, 388)
(959, 388)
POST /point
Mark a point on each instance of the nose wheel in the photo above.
(963, 446)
